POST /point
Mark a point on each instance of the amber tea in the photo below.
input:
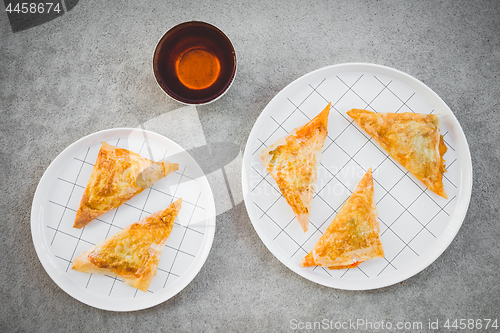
(194, 63)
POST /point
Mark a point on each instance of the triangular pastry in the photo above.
(353, 235)
(118, 175)
(412, 139)
(132, 253)
(293, 162)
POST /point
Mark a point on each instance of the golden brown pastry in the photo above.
(293, 162)
(117, 176)
(412, 139)
(134, 252)
(353, 235)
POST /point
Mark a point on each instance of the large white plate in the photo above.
(416, 225)
(57, 243)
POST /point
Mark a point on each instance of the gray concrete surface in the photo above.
(90, 70)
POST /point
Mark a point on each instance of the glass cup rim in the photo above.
(181, 26)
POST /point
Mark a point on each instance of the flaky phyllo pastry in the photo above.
(353, 236)
(412, 139)
(117, 176)
(134, 252)
(293, 162)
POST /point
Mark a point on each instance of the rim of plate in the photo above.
(456, 219)
(70, 286)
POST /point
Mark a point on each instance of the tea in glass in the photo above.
(194, 63)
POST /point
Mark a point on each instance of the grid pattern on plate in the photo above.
(65, 242)
(411, 217)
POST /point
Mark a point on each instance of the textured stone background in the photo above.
(90, 69)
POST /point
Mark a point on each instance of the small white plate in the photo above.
(57, 198)
(416, 225)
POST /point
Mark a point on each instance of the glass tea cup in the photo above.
(194, 63)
